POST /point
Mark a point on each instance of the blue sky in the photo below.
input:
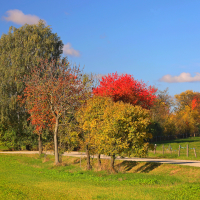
(157, 41)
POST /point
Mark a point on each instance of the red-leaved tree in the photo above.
(196, 102)
(125, 88)
(53, 90)
(39, 117)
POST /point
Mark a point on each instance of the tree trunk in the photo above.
(40, 144)
(112, 163)
(99, 160)
(88, 158)
(56, 143)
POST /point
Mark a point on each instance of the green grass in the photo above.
(34, 177)
(193, 142)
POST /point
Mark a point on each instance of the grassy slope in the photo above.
(29, 177)
(194, 142)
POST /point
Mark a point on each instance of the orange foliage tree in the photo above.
(187, 112)
(196, 102)
(52, 91)
(196, 110)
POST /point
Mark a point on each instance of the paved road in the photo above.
(193, 163)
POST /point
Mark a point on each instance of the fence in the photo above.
(184, 150)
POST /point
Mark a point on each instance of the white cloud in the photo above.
(68, 50)
(18, 17)
(183, 77)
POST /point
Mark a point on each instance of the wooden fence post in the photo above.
(179, 150)
(195, 153)
(170, 149)
(187, 150)
(155, 149)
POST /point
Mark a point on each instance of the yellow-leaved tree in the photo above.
(90, 118)
(124, 130)
(113, 128)
(187, 114)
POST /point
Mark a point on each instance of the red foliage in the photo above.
(125, 88)
(51, 90)
(40, 117)
(195, 102)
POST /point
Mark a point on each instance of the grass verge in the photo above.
(34, 177)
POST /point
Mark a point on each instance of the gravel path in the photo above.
(193, 163)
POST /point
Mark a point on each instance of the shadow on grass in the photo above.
(146, 168)
(127, 165)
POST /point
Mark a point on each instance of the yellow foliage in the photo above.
(113, 128)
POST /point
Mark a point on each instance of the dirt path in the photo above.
(193, 163)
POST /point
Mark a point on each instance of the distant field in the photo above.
(193, 142)
(34, 177)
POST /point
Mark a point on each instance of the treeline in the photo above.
(48, 103)
(175, 117)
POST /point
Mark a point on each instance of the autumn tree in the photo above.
(40, 118)
(90, 118)
(52, 91)
(187, 120)
(20, 50)
(113, 128)
(195, 105)
(174, 117)
(125, 88)
(161, 114)
(184, 99)
(70, 135)
(162, 105)
(196, 102)
(124, 130)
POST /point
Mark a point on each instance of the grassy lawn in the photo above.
(34, 177)
(193, 142)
